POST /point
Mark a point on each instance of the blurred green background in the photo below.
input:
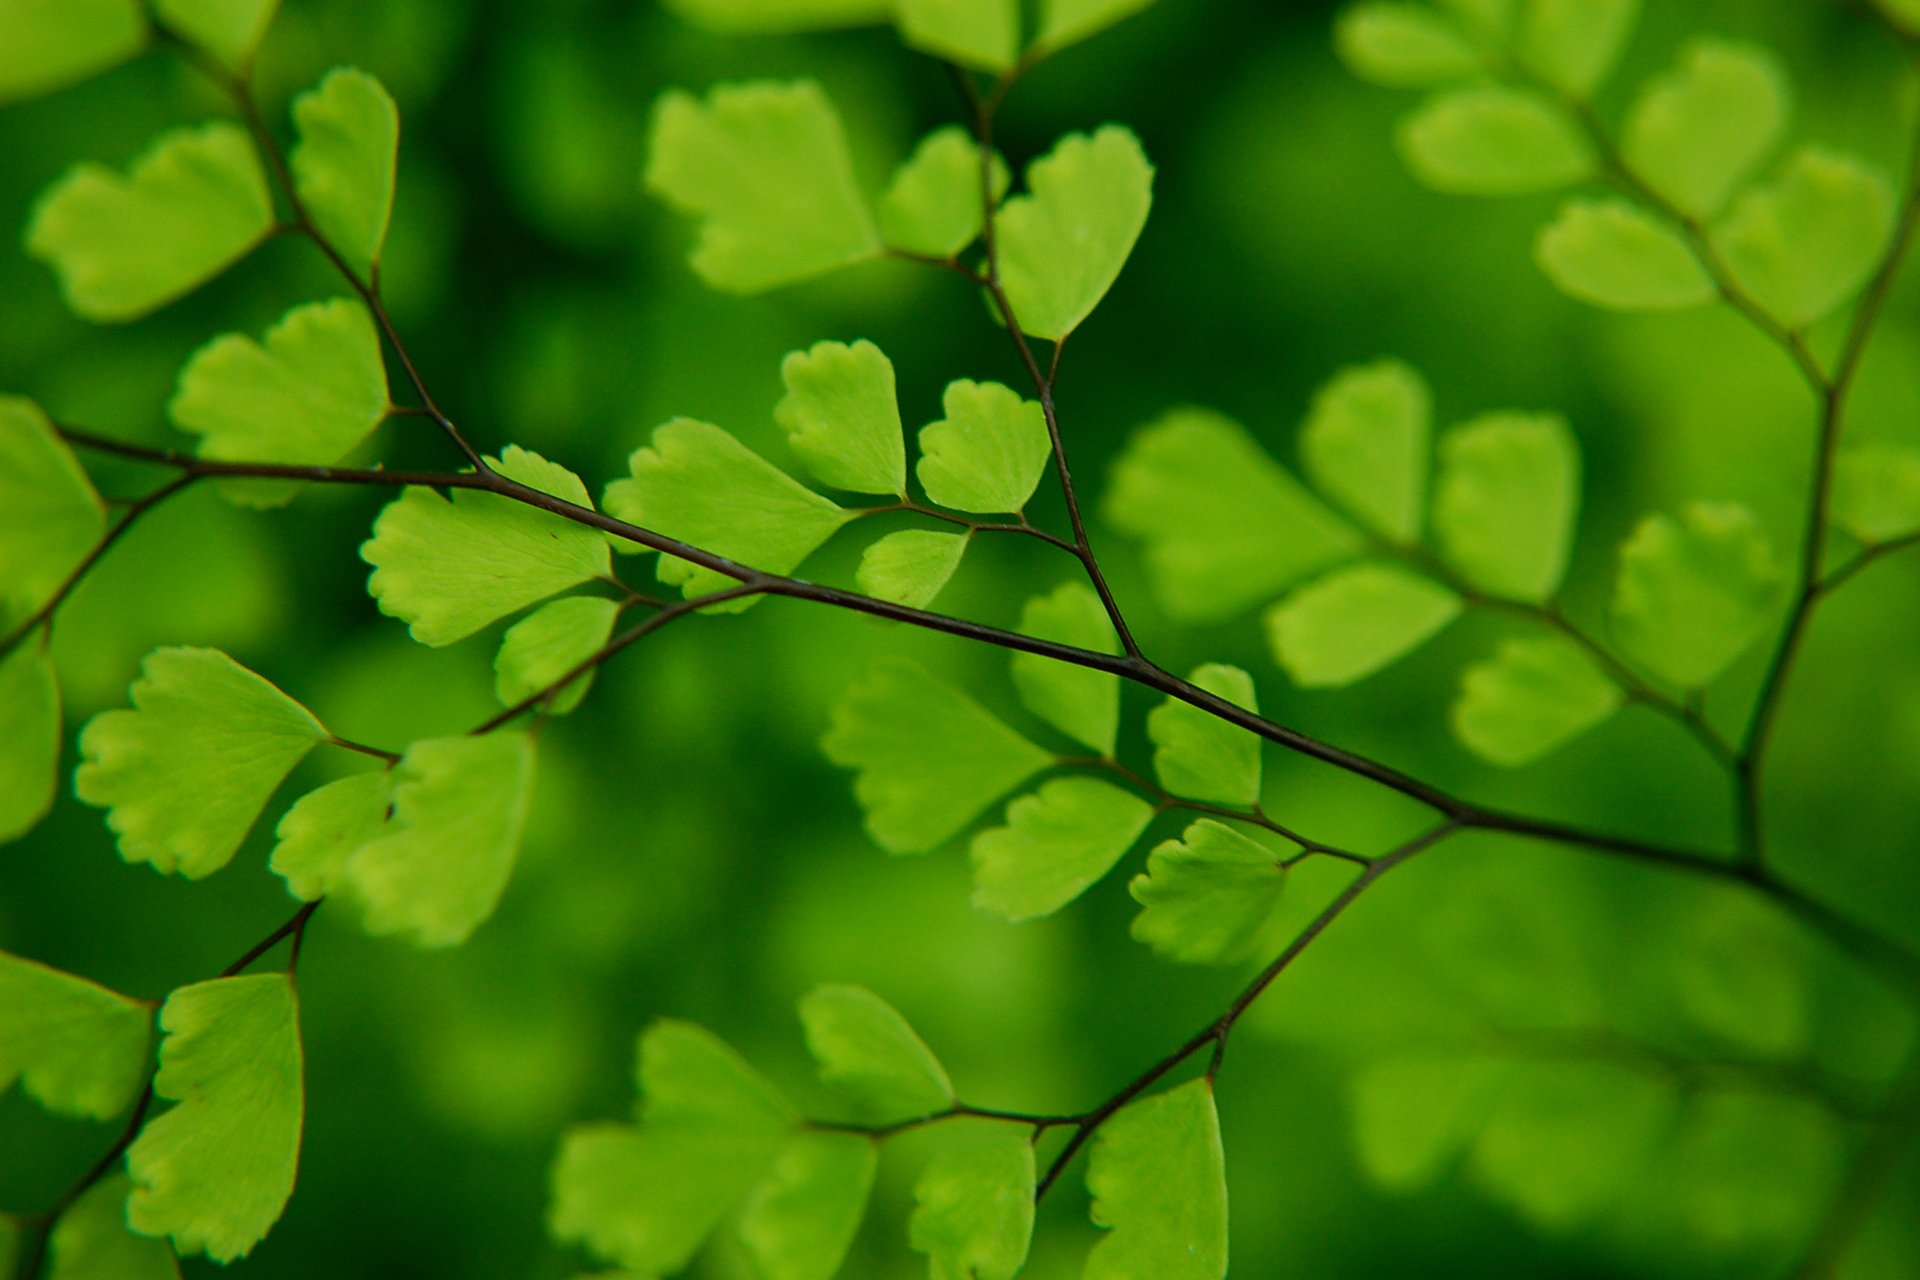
(693, 855)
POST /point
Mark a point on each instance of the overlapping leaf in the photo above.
(327, 826)
(92, 1241)
(1062, 244)
(1572, 44)
(215, 1172)
(1198, 755)
(1055, 844)
(1082, 703)
(77, 1048)
(539, 650)
(912, 566)
(184, 774)
(799, 1224)
(193, 204)
(1806, 243)
(1613, 254)
(983, 34)
(1205, 896)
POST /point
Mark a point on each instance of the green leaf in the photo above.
(92, 1241)
(1159, 1183)
(1365, 444)
(1876, 491)
(54, 43)
(932, 203)
(867, 1052)
(781, 17)
(1201, 757)
(1531, 698)
(647, 1197)
(511, 555)
(1612, 254)
(343, 165)
(1564, 1138)
(973, 1209)
(310, 395)
(766, 166)
(1903, 14)
(327, 826)
(1695, 133)
(1806, 244)
(982, 34)
(1355, 621)
(988, 453)
(1489, 140)
(910, 567)
(1412, 1117)
(459, 805)
(1081, 703)
(1506, 503)
(1404, 46)
(215, 1172)
(1057, 842)
(230, 30)
(1740, 974)
(1490, 20)
(928, 758)
(799, 1224)
(842, 417)
(29, 737)
(1061, 246)
(1573, 44)
(185, 773)
(542, 647)
(194, 203)
(1065, 22)
(700, 485)
(1206, 895)
(1226, 527)
(77, 1048)
(50, 516)
(1694, 592)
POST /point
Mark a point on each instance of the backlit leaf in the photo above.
(55, 43)
(1412, 1117)
(1404, 46)
(214, 1173)
(1806, 243)
(932, 203)
(699, 484)
(1203, 758)
(1062, 244)
(766, 167)
(327, 826)
(542, 647)
(928, 758)
(1876, 491)
(868, 1053)
(1082, 703)
(799, 1223)
(982, 34)
(511, 555)
(1611, 254)
(29, 737)
(988, 453)
(230, 30)
(194, 203)
(1904, 14)
(1057, 842)
(1226, 527)
(1365, 445)
(50, 516)
(1355, 621)
(842, 417)
(440, 866)
(1574, 43)
(973, 1209)
(343, 165)
(92, 1241)
(1065, 22)
(648, 1196)
(910, 567)
(1506, 501)
(1206, 895)
(781, 17)
(309, 395)
(77, 1048)
(1532, 697)
(185, 773)
(1490, 140)
(1159, 1182)
(1696, 132)
(1694, 592)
